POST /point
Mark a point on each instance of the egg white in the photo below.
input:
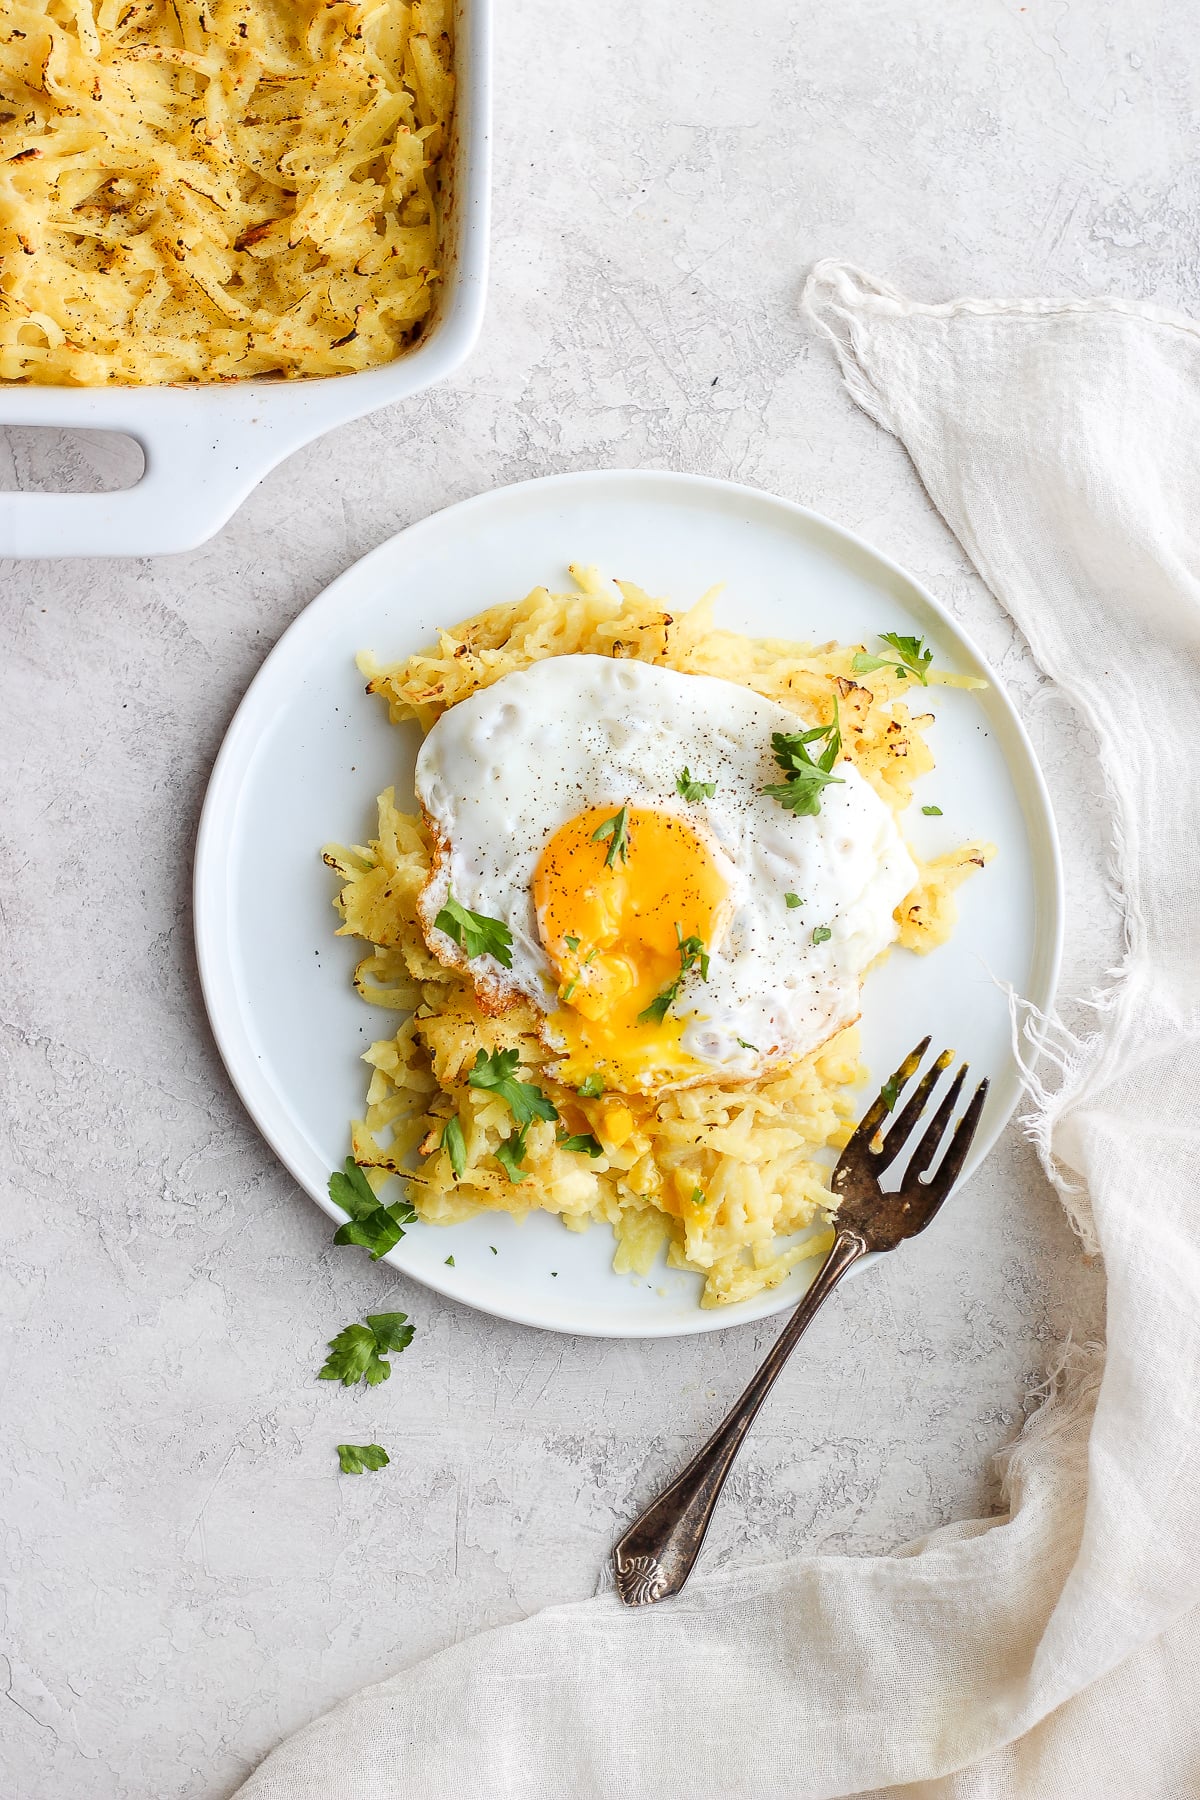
(500, 772)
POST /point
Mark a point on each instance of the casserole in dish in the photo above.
(205, 446)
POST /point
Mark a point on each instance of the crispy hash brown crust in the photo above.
(724, 1174)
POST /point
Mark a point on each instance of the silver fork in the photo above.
(657, 1554)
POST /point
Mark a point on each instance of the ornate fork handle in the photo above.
(657, 1553)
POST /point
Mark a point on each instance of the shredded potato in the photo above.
(200, 190)
(725, 1175)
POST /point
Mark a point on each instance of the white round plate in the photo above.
(308, 751)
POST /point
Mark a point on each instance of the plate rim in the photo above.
(223, 793)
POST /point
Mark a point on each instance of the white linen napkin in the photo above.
(1056, 1651)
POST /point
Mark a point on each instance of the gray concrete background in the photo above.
(186, 1578)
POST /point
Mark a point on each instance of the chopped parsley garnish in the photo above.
(475, 933)
(932, 812)
(356, 1459)
(616, 830)
(659, 1007)
(889, 1093)
(454, 1144)
(449, 1262)
(376, 1227)
(746, 1046)
(914, 658)
(583, 1142)
(821, 934)
(801, 792)
(356, 1354)
(510, 1154)
(591, 1087)
(351, 1190)
(692, 955)
(688, 789)
(498, 1073)
(572, 943)
(793, 901)
(698, 1197)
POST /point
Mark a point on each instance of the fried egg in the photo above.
(664, 939)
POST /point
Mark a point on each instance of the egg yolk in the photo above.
(622, 916)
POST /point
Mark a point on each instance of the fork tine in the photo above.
(901, 1131)
(951, 1164)
(879, 1109)
(927, 1149)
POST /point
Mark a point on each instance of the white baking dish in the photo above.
(206, 447)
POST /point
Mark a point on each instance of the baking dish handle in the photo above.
(193, 481)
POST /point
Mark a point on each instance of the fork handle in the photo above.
(658, 1552)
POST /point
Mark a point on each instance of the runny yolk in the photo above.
(612, 927)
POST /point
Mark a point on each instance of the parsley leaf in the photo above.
(912, 653)
(821, 934)
(692, 955)
(455, 1146)
(616, 830)
(698, 1197)
(659, 1007)
(688, 789)
(793, 901)
(380, 1232)
(583, 1142)
(475, 933)
(498, 1073)
(914, 658)
(376, 1227)
(932, 812)
(591, 1087)
(510, 1154)
(352, 1191)
(572, 943)
(746, 1046)
(806, 778)
(449, 1262)
(355, 1353)
(355, 1459)
(889, 1093)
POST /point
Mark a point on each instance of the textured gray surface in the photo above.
(186, 1578)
